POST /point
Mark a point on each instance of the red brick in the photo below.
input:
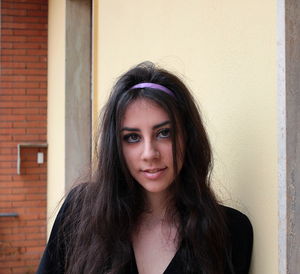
(36, 52)
(5, 58)
(43, 59)
(6, 46)
(12, 65)
(6, 38)
(43, 177)
(13, 52)
(26, 32)
(6, 32)
(26, 58)
(13, 11)
(5, 138)
(24, 72)
(36, 91)
(22, 6)
(36, 117)
(14, 197)
(7, 158)
(16, 184)
(5, 230)
(17, 230)
(25, 98)
(24, 177)
(6, 164)
(25, 111)
(36, 65)
(37, 236)
(13, 58)
(5, 150)
(37, 39)
(8, 172)
(33, 197)
(36, 78)
(5, 270)
(37, 13)
(12, 104)
(33, 242)
(31, 262)
(8, 144)
(29, 124)
(5, 98)
(14, 91)
(14, 25)
(43, 137)
(29, 204)
(26, 138)
(43, 111)
(43, 98)
(12, 263)
(5, 111)
(12, 118)
(5, 204)
(5, 191)
(30, 216)
(37, 105)
(36, 222)
(24, 19)
(42, 2)
(27, 46)
(31, 190)
(22, 270)
(15, 237)
(36, 130)
(19, 85)
(13, 131)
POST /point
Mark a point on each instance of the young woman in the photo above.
(148, 207)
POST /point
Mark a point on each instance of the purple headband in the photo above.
(153, 86)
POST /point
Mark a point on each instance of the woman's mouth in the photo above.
(154, 173)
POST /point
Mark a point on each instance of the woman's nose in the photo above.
(150, 151)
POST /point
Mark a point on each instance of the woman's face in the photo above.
(147, 145)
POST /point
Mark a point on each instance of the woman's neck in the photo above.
(156, 206)
(156, 203)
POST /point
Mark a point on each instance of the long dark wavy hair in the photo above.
(103, 212)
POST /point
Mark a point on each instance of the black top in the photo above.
(241, 236)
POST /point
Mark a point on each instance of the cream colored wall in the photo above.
(56, 107)
(226, 52)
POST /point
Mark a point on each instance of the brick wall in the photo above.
(23, 117)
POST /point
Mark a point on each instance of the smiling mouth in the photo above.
(155, 170)
(154, 174)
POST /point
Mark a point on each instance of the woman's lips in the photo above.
(154, 173)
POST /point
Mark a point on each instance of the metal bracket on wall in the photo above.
(9, 214)
(41, 145)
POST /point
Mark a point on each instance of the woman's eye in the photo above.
(164, 133)
(131, 138)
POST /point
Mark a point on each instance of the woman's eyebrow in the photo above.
(154, 127)
(130, 129)
(161, 124)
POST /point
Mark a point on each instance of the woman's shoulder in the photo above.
(75, 194)
(236, 220)
(71, 203)
(241, 239)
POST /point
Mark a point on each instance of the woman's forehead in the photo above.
(144, 111)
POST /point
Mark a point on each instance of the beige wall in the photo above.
(56, 107)
(226, 52)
